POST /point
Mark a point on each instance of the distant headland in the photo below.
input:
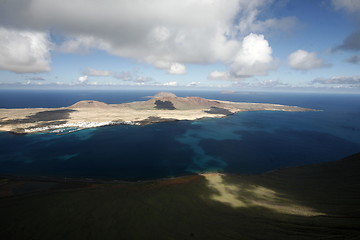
(163, 107)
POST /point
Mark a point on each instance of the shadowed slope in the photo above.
(311, 202)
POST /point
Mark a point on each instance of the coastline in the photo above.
(91, 114)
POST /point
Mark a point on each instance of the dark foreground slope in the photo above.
(311, 202)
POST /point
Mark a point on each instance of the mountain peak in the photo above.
(165, 95)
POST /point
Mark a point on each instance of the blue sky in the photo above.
(285, 45)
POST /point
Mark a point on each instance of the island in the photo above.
(163, 107)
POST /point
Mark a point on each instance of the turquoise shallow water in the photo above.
(249, 142)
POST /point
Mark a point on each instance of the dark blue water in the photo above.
(249, 142)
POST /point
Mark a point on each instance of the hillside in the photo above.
(310, 202)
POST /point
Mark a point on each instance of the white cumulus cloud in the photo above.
(177, 68)
(253, 57)
(24, 51)
(83, 79)
(303, 60)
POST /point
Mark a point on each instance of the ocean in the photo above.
(244, 143)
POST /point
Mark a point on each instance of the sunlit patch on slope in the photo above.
(249, 195)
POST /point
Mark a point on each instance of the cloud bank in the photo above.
(167, 34)
(339, 80)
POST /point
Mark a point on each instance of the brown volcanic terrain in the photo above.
(90, 104)
(88, 114)
(310, 202)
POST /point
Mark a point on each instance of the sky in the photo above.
(306, 45)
